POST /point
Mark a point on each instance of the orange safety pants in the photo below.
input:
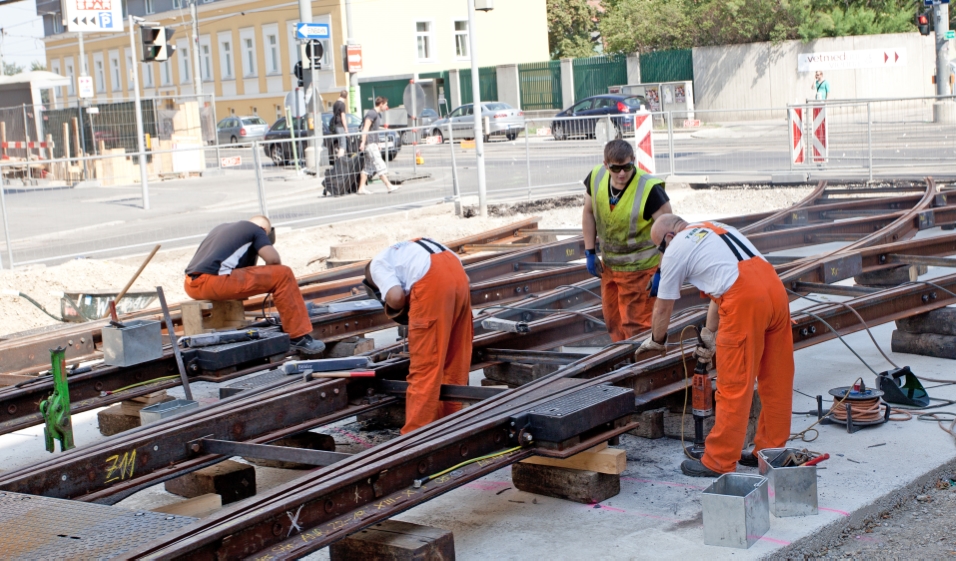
(251, 281)
(440, 332)
(626, 302)
(754, 342)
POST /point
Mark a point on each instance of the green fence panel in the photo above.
(593, 75)
(487, 84)
(391, 89)
(667, 66)
(540, 84)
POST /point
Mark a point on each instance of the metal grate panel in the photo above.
(34, 527)
(252, 383)
(566, 417)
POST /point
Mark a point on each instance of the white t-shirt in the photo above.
(402, 264)
(700, 257)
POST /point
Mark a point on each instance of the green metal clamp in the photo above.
(56, 408)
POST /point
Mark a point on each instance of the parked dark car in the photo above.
(281, 152)
(620, 107)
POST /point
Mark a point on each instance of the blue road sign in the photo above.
(312, 31)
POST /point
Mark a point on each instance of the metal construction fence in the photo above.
(194, 187)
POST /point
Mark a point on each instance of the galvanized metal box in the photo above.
(793, 490)
(140, 341)
(736, 510)
(159, 411)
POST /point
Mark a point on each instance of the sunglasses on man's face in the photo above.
(616, 168)
(663, 245)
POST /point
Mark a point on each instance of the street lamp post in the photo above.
(140, 142)
(476, 110)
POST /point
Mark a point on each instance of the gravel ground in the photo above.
(923, 527)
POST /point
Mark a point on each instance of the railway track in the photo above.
(323, 506)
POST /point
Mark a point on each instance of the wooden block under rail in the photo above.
(612, 461)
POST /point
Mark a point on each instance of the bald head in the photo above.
(666, 224)
(262, 222)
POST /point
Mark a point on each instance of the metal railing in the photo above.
(58, 208)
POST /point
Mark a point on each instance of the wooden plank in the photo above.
(612, 461)
(197, 507)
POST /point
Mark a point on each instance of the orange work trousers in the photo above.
(251, 281)
(627, 302)
(440, 332)
(754, 342)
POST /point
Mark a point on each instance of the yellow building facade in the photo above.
(247, 49)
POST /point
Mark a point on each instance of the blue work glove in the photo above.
(594, 267)
(655, 283)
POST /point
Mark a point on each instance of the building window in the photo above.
(206, 63)
(150, 9)
(461, 39)
(57, 23)
(71, 88)
(125, 6)
(272, 55)
(129, 70)
(249, 56)
(148, 75)
(167, 72)
(178, 4)
(100, 77)
(186, 62)
(424, 40)
(114, 67)
(225, 53)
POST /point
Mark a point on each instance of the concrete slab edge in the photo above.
(829, 535)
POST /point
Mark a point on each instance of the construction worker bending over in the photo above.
(754, 342)
(426, 288)
(224, 268)
(620, 205)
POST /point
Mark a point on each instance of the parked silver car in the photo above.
(500, 119)
(233, 130)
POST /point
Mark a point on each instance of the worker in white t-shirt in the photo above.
(424, 286)
(754, 343)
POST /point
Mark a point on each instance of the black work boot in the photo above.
(748, 459)
(695, 468)
(306, 345)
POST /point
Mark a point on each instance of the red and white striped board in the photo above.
(23, 145)
(820, 139)
(644, 147)
(797, 155)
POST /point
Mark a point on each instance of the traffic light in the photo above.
(922, 23)
(156, 45)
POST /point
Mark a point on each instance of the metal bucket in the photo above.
(793, 490)
(736, 510)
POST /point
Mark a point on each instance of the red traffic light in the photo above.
(922, 23)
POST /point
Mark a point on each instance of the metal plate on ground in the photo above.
(252, 383)
(571, 415)
(34, 527)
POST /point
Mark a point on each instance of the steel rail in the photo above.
(306, 498)
(594, 365)
(19, 354)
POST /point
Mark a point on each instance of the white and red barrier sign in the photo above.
(230, 161)
(816, 141)
(797, 155)
(644, 147)
(22, 145)
(820, 138)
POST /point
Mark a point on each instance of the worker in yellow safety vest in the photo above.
(620, 206)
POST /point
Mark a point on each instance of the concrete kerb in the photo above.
(833, 533)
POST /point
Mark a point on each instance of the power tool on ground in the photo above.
(702, 399)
